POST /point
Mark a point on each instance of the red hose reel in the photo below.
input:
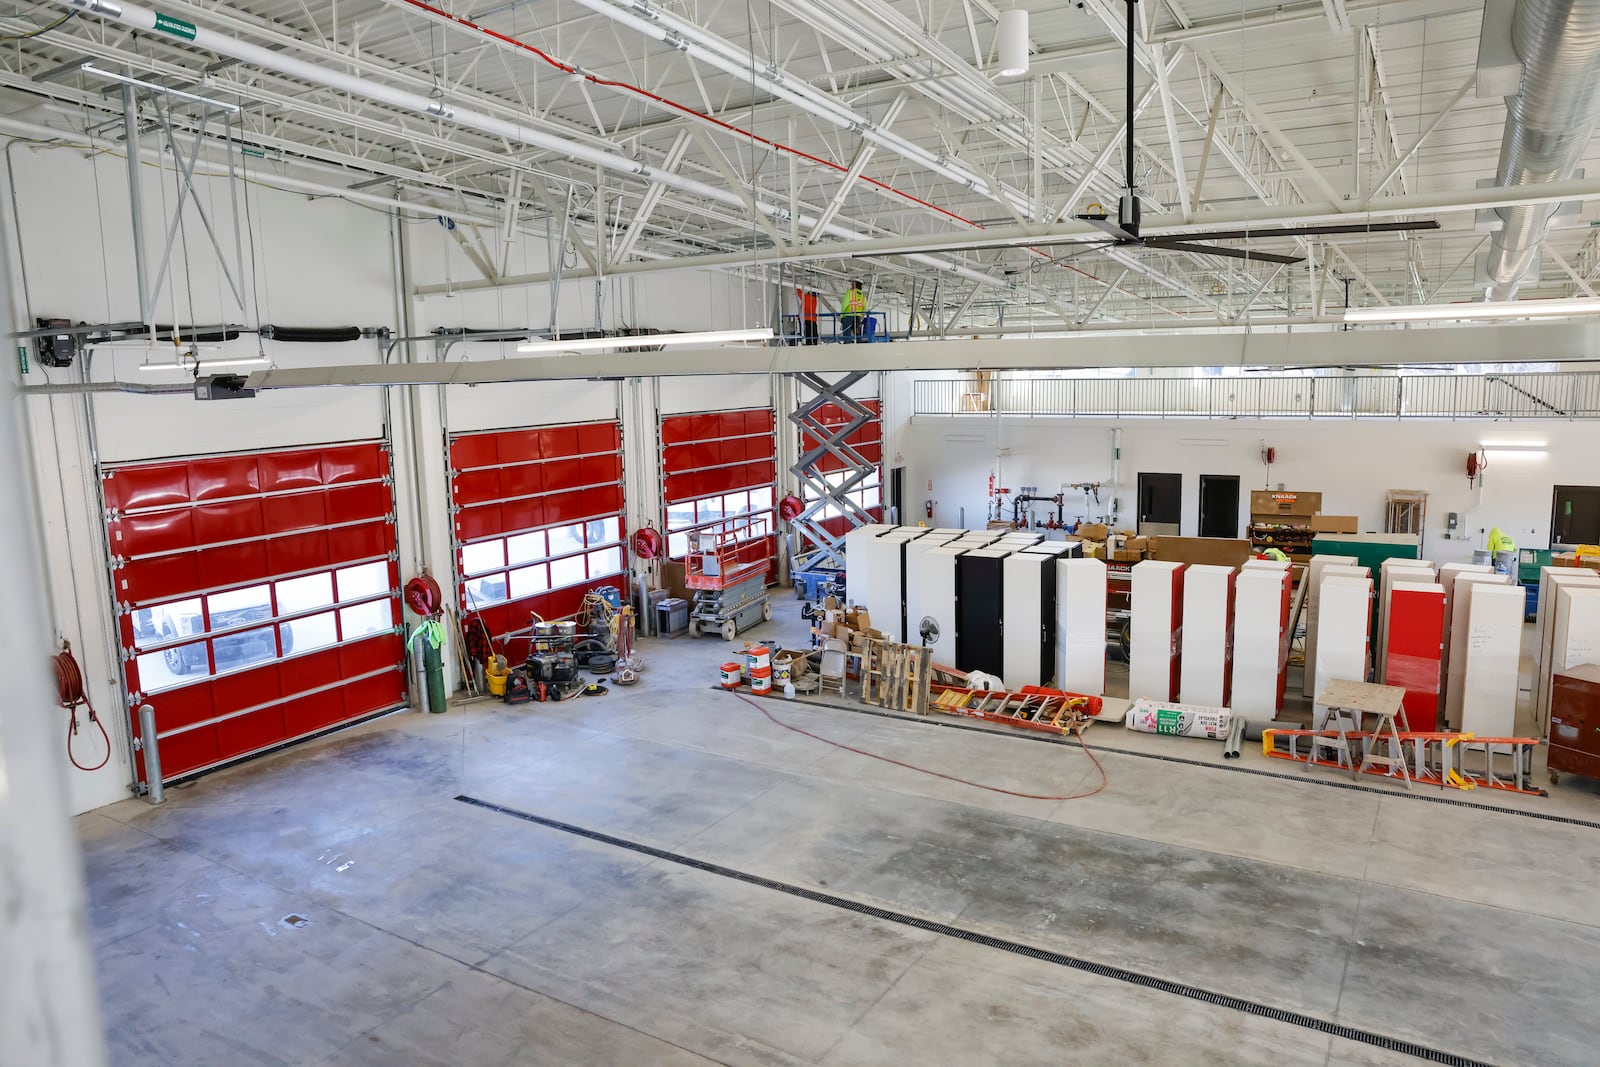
(423, 596)
(647, 543)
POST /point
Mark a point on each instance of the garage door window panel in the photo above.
(527, 517)
(212, 653)
(715, 466)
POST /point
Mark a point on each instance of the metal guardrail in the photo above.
(1557, 395)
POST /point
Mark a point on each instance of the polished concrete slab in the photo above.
(336, 904)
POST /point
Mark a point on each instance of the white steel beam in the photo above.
(1104, 346)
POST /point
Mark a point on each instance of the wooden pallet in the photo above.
(895, 676)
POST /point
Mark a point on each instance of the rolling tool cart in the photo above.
(727, 570)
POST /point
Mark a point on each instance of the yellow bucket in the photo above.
(496, 674)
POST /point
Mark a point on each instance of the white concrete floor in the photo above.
(437, 931)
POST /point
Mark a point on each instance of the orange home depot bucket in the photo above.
(757, 656)
(730, 677)
(761, 680)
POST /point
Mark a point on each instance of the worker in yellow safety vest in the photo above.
(1500, 541)
(852, 311)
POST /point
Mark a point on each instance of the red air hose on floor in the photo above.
(70, 692)
(1087, 751)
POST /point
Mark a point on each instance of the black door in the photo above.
(1160, 503)
(1575, 519)
(897, 492)
(1219, 505)
(979, 611)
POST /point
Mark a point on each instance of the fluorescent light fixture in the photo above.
(1510, 309)
(123, 79)
(196, 365)
(1011, 43)
(1513, 444)
(651, 340)
(1515, 453)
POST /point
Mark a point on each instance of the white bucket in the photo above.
(730, 676)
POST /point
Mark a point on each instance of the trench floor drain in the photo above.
(1060, 959)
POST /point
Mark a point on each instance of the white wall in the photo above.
(316, 262)
(1353, 464)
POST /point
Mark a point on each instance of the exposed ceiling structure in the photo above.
(861, 137)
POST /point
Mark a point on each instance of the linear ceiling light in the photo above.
(123, 79)
(1011, 43)
(652, 340)
(192, 364)
(1510, 309)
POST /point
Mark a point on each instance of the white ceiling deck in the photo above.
(1263, 106)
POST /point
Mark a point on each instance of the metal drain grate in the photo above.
(1116, 974)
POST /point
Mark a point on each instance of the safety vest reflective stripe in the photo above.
(855, 300)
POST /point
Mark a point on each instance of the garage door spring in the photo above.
(70, 693)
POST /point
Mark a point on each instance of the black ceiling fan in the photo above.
(1124, 231)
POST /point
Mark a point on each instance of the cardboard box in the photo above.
(1093, 531)
(1125, 555)
(1346, 524)
(1094, 549)
(858, 619)
(1208, 551)
(859, 638)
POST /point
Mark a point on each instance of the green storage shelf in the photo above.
(1370, 550)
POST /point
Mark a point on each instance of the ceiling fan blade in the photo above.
(1085, 250)
(1231, 253)
(1331, 229)
(1105, 225)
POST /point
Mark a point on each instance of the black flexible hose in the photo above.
(312, 334)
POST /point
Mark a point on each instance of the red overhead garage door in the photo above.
(868, 444)
(538, 520)
(257, 596)
(719, 465)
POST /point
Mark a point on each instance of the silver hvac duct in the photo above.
(1548, 124)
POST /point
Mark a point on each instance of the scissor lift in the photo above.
(727, 570)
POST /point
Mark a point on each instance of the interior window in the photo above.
(235, 651)
(309, 633)
(167, 622)
(1575, 519)
(173, 666)
(363, 619)
(526, 581)
(303, 594)
(569, 571)
(238, 607)
(483, 556)
(363, 580)
(525, 548)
